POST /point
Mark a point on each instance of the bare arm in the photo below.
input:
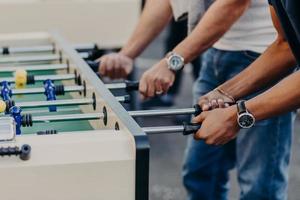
(283, 97)
(156, 15)
(217, 20)
(275, 63)
(215, 23)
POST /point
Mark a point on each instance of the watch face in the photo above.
(246, 120)
(175, 62)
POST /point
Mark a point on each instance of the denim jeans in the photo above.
(260, 154)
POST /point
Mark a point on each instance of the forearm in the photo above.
(283, 97)
(277, 62)
(155, 17)
(217, 20)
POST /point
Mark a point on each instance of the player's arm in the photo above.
(283, 97)
(217, 20)
(219, 126)
(214, 24)
(155, 16)
(275, 63)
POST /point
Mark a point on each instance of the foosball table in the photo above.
(63, 134)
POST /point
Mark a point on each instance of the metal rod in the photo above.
(43, 48)
(149, 113)
(163, 129)
(68, 102)
(36, 58)
(84, 55)
(24, 59)
(46, 111)
(34, 67)
(33, 49)
(112, 86)
(123, 99)
(93, 116)
(58, 77)
(76, 88)
(97, 116)
(71, 117)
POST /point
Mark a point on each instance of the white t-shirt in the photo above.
(254, 30)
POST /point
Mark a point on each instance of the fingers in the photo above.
(156, 81)
(201, 135)
(143, 87)
(200, 118)
(204, 104)
(149, 88)
(158, 87)
(102, 66)
(115, 66)
(213, 104)
(221, 103)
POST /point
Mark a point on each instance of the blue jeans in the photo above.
(260, 154)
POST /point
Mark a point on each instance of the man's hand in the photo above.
(218, 126)
(115, 65)
(157, 80)
(215, 99)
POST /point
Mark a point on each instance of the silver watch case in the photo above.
(175, 62)
(241, 120)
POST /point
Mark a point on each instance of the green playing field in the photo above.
(59, 126)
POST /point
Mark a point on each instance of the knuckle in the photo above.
(196, 137)
(209, 142)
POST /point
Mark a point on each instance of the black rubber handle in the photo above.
(95, 48)
(198, 110)
(132, 85)
(25, 152)
(94, 65)
(190, 128)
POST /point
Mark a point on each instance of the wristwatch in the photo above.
(175, 61)
(245, 118)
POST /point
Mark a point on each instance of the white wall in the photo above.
(107, 22)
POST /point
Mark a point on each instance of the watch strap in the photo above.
(169, 54)
(241, 107)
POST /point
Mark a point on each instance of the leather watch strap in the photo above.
(241, 107)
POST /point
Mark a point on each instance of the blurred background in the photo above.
(108, 23)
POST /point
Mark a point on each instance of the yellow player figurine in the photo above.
(20, 78)
(2, 107)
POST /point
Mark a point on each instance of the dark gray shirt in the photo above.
(289, 15)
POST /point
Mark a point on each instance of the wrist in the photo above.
(232, 110)
(225, 93)
(245, 118)
(175, 61)
(233, 114)
(255, 108)
(126, 53)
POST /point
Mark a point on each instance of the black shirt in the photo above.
(290, 21)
